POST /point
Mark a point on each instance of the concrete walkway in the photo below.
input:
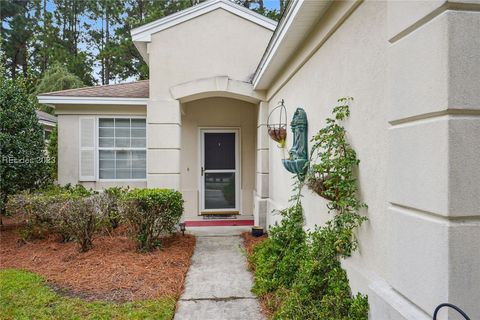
(218, 283)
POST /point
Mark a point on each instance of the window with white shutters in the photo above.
(87, 149)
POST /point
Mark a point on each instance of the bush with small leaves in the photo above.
(35, 211)
(152, 213)
(80, 217)
(321, 288)
(112, 198)
(277, 259)
(73, 213)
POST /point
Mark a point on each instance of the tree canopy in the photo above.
(58, 78)
(23, 164)
(91, 38)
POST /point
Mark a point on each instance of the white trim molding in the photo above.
(220, 86)
(54, 100)
(143, 34)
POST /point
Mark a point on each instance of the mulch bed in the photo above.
(113, 270)
(250, 241)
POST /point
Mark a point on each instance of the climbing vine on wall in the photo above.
(298, 274)
(332, 165)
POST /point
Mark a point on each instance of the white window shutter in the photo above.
(87, 149)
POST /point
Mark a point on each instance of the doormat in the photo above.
(218, 216)
(219, 223)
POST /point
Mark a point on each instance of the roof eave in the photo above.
(144, 33)
(292, 30)
(76, 100)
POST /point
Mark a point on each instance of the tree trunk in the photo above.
(25, 60)
(45, 54)
(107, 40)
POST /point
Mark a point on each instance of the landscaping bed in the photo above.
(250, 241)
(113, 270)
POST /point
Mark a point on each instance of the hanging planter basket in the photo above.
(277, 123)
(316, 183)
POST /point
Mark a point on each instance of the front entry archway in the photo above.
(221, 102)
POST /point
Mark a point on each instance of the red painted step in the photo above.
(219, 223)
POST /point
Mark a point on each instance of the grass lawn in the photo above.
(24, 295)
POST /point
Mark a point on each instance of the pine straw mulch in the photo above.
(250, 242)
(112, 271)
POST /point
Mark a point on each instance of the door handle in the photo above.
(201, 172)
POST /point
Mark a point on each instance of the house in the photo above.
(217, 70)
(47, 121)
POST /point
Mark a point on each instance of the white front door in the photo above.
(219, 170)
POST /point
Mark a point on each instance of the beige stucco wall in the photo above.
(345, 67)
(420, 246)
(214, 44)
(217, 43)
(217, 113)
(68, 141)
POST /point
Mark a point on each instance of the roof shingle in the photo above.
(137, 89)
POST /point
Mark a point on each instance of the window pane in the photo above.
(137, 155)
(105, 142)
(122, 132)
(123, 155)
(107, 174)
(139, 174)
(123, 123)
(122, 142)
(138, 133)
(138, 143)
(220, 190)
(106, 154)
(123, 174)
(123, 164)
(106, 132)
(139, 164)
(107, 164)
(105, 122)
(138, 123)
(219, 151)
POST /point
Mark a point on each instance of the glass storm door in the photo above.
(219, 171)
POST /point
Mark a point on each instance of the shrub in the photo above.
(68, 189)
(321, 288)
(299, 275)
(36, 212)
(74, 213)
(79, 218)
(277, 259)
(112, 198)
(52, 150)
(152, 213)
(22, 165)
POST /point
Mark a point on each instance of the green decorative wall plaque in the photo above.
(297, 161)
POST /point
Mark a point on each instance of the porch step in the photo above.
(218, 223)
